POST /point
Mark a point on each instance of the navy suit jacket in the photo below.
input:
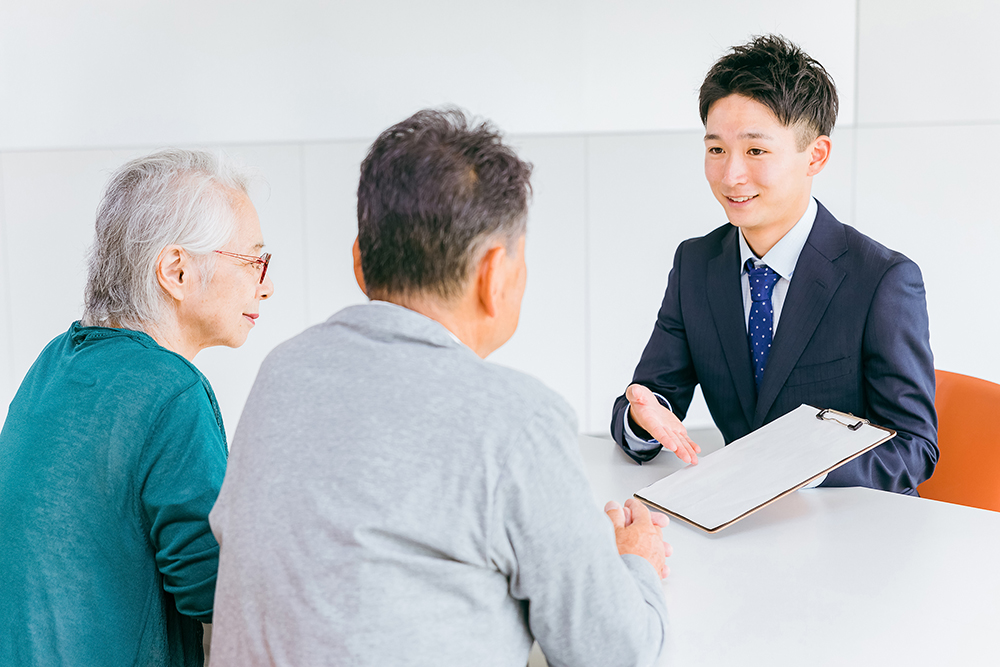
(853, 336)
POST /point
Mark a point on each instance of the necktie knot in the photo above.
(762, 281)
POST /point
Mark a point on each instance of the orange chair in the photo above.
(968, 471)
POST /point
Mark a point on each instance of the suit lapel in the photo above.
(813, 285)
(725, 299)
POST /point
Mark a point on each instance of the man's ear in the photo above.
(819, 154)
(490, 278)
(359, 274)
(173, 271)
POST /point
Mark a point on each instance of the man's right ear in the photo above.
(173, 271)
(359, 274)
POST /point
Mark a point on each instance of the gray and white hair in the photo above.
(435, 189)
(172, 197)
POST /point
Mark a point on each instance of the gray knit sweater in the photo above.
(392, 499)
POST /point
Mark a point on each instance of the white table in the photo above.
(824, 577)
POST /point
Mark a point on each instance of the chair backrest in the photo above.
(968, 471)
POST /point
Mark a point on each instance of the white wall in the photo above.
(600, 96)
(117, 72)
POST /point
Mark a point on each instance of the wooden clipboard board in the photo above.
(761, 467)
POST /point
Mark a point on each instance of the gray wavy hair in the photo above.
(172, 197)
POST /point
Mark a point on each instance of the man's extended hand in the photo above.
(639, 531)
(661, 423)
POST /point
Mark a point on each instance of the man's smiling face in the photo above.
(756, 168)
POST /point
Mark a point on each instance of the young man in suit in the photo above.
(783, 305)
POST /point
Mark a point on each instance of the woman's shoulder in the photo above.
(134, 356)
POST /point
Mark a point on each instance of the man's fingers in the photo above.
(668, 550)
(684, 448)
(685, 443)
(615, 513)
(675, 440)
(679, 445)
(659, 519)
(643, 537)
(664, 436)
(640, 514)
(689, 447)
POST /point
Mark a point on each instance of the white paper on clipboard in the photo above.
(749, 473)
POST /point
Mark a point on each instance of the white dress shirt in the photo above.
(782, 259)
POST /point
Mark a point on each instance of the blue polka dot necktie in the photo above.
(761, 323)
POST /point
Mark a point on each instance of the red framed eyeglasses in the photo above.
(263, 261)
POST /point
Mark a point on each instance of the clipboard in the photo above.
(761, 467)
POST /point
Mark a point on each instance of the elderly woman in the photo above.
(113, 451)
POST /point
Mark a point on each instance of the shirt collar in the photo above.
(379, 302)
(785, 253)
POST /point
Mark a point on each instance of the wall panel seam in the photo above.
(932, 124)
(7, 321)
(303, 207)
(857, 111)
(587, 390)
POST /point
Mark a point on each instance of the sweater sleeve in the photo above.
(586, 605)
(183, 463)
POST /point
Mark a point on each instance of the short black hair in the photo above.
(434, 188)
(773, 71)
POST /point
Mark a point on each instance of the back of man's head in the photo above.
(435, 189)
(775, 72)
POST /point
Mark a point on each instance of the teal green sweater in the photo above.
(111, 458)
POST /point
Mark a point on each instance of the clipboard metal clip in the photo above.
(840, 417)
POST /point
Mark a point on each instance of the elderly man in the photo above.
(113, 451)
(393, 499)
